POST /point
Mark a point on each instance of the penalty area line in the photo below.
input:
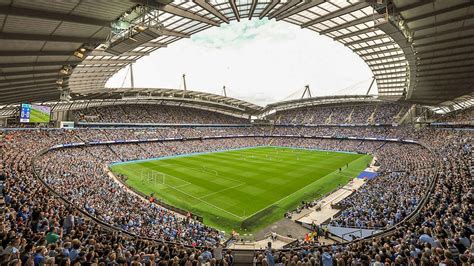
(194, 197)
(222, 190)
(289, 195)
(205, 202)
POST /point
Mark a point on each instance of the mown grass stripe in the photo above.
(225, 189)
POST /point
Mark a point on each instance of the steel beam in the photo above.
(403, 83)
(85, 70)
(355, 33)
(401, 87)
(449, 48)
(34, 72)
(380, 45)
(85, 75)
(25, 98)
(15, 88)
(90, 84)
(470, 52)
(449, 61)
(392, 78)
(233, 5)
(369, 39)
(441, 23)
(389, 73)
(93, 83)
(29, 92)
(174, 33)
(451, 85)
(415, 5)
(35, 53)
(48, 38)
(387, 63)
(443, 68)
(446, 80)
(107, 61)
(79, 87)
(384, 58)
(307, 5)
(38, 64)
(455, 39)
(353, 23)
(383, 68)
(285, 7)
(252, 8)
(337, 13)
(269, 8)
(381, 52)
(441, 33)
(178, 11)
(404, 78)
(153, 44)
(397, 74)
(439, 12)
(104, 53)
(48, 15)
(449, 73)
(441, 92)
(211, 9)
(88, 78)
(52, 76)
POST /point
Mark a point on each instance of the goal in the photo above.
(152, 177)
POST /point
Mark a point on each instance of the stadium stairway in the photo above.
(360, 143)
(143, 149)
(371, 119)
(271, 133)
(114, 153)
(379, 147)
(349, 118)
(405, 115)
(328, 120)
(278, 120)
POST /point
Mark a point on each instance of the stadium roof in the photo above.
(422, 49)
(308, 102)
(122, 96)
(202, 98)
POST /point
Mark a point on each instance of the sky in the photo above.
(259, 61)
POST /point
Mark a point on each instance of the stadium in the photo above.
(99, 175)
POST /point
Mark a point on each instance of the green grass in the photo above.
(37, 116)
(245, 189)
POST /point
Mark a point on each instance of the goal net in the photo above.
(152, 177)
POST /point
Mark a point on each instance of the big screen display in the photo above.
(31, 113)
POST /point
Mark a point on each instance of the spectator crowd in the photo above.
(350, 113)
(146, 113)
(64, 226)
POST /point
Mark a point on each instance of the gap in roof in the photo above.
(259, 61)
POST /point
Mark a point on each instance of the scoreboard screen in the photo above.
(31, 113)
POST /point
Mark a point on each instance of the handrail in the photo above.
(88, 215)
(388, 231)
(144, 196)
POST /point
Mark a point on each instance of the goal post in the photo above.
(152, 177)
(158, 177)
(209, 170)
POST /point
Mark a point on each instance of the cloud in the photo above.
(259, 60)
(230, 35)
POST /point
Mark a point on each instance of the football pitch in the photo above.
(37, 116)
(243, 189)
